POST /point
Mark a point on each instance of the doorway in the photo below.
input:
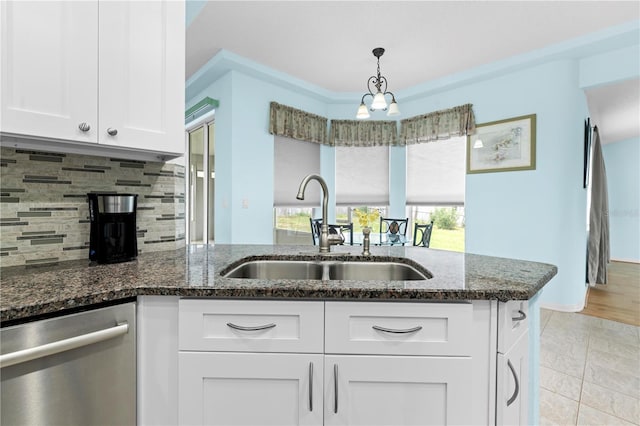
(201, 182)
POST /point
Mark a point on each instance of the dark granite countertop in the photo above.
(195, 271)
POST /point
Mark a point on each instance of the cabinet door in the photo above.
(249, 389)
(49, 69)
(142, 75)
(397, 390)
(513, 384)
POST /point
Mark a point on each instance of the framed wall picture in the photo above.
(503, 146)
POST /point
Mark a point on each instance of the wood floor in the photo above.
(619, 299)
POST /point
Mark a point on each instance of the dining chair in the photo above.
(393, 226)
(315, 230)
(333, 229)
(422, 234)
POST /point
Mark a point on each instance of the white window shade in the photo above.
(293, 160)
(362, 176)
(436, 172)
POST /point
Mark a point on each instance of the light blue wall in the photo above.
(540, 214)
(223, 129)
(622, 162)
(244, 155)
(609, 67)
(621, 157)
(537, 215)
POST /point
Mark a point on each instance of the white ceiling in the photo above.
(329, 43)
(615, 109)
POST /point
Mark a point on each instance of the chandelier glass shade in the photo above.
(377, 86)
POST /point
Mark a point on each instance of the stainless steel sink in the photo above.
(326, 270)
(371, 271)
(277, 269)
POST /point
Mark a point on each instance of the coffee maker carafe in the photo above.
(113, 227)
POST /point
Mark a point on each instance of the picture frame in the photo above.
(503, 146)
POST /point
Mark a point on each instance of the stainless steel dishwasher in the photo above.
(78, 369)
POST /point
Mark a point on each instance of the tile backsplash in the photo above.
(44, 212)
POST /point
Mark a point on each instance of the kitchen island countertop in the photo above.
(195, 272)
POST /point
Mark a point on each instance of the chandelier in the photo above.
(378, 98)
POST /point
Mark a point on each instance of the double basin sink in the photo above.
(327, 270)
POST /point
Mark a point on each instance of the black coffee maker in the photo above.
(113, 227)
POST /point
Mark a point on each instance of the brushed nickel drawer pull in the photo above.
(256, 328)
(335, 388)
(397, 331)
(516, 391)
(520, 317)
(310, 386)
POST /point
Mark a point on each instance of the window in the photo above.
(293, 160)
(436, 188)
(346, 215)
(448, 233)
(292, 225)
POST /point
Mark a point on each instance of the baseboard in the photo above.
(564, 308)
(636, 261)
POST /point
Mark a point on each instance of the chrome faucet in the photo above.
(326, 240)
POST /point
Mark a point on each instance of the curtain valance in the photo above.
(363, 133)
(443, 124)
(297, 124)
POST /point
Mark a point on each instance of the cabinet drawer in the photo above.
(398, 328)
(513, 322)
(250, 326)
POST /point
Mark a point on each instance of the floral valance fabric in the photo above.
(363, 133)
(457, 121)
(297, 124)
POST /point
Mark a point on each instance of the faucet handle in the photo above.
(335, 237)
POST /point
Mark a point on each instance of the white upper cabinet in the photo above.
(142, 51)
(104, 72)
(50, 69)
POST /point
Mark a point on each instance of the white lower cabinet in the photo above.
(250, 389)
(262, 362)
(397, 390)
(512, 389)
(250, 362)
(512, 396)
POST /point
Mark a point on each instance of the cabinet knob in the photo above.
(84, 127)
(112, 131)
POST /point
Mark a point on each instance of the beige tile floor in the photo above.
(589, 371)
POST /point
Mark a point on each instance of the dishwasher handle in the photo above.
(53, 348)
